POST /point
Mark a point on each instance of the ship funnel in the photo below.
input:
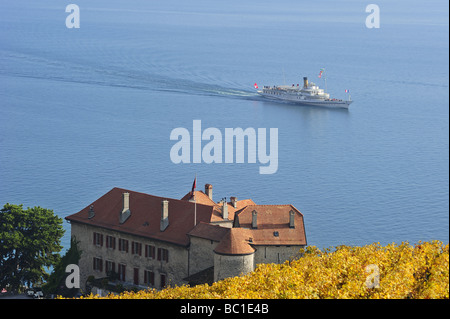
(305, 82)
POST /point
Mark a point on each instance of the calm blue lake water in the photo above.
(85, 110)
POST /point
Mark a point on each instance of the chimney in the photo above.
(91, 212)
(164, 215)
(305, 82)
(125, 214)
(233, 201)
(254, 223)
(225, 209)
(126, 201)
(208, 191)
(291, 219)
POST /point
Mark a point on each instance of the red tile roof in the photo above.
(272, 221)
(273, 228)
(145, 216)
(208, 231)
(200, 197)
(204, 199)
(235, 242)
(273, 224)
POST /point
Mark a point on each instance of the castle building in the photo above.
(152, 241)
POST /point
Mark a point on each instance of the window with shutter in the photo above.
(149, 277)
(136, 248)
(110, 242)
(163, 254)
(166, 255)
(98, 264)
(121, 270)
(123, 245)
(110, 267)
(159, 253)
(152, 252)
(98, 239)
(152, 278)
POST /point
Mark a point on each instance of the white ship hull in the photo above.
(310, 94)
(332, 103)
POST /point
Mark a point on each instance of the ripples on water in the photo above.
(92, 109)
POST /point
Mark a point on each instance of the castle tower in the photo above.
(234, 255)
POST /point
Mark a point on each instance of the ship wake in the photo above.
(38, 67)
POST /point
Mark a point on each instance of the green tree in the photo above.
(29, 243)
(56, 282)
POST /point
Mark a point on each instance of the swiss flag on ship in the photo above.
(256, 86)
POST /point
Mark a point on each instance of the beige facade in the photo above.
(128, 263)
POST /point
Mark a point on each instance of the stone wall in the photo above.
(175, 269)
(275, 254)
(182, 261)
(232, 265)
(201, 254)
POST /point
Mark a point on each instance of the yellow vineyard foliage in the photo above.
(372, 271)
